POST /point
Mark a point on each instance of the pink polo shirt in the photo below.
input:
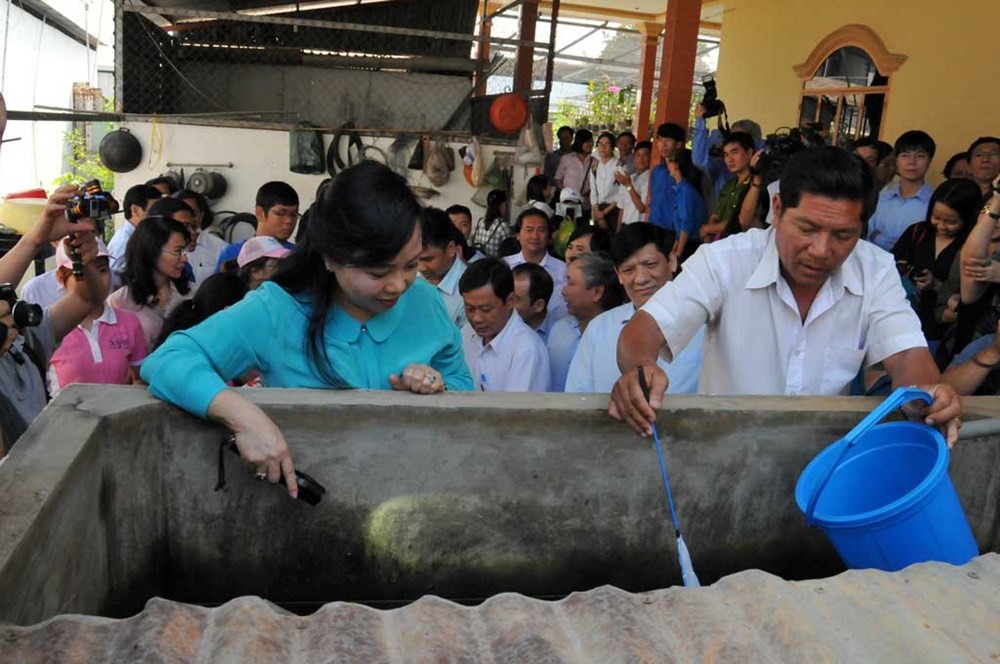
(102, 354)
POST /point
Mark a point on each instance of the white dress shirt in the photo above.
(563, 339)
(757, 342)
(447, 288)
(205, 256)
(116, 247)
(772, 189)
(603, 187)
(43, 290)
(629, 212)
(513, 361)
(595, 365)
(557, 270)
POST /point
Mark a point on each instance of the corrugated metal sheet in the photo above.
(928, 613)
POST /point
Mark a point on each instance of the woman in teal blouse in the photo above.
(345, 310)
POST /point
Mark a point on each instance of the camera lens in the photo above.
(26, 314)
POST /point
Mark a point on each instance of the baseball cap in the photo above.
(568, 195)
(263, 246)
(64, 260)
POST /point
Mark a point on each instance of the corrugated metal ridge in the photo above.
(932, 612)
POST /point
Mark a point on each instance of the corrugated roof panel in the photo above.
(928, 613)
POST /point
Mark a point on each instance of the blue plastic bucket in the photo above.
(883, 495)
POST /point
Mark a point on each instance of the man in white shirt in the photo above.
(502, 353)
(137, 201)
(643, 262)
(532, 290)
(796, 309)
(591, 289)
(44, 290)
(633, 189)
(533, 233)
(439, 262)
(603, 188)
(204, 248)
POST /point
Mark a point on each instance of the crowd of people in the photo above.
(842, 272)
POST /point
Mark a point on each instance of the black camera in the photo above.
(25, 314)
(92, 203)
(710, 101)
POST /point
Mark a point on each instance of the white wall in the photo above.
(41, 66)
(262, 155)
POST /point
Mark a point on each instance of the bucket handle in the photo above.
(899, 396)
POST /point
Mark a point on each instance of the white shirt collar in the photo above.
(848, 276)
(500, 342)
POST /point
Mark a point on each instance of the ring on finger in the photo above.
(261, 476)
(958, 421)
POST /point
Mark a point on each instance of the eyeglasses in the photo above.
(286, 215)
(176, 253)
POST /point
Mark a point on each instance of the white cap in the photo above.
(568, 195)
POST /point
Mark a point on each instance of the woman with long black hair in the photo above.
(345, 310)
(155, 277)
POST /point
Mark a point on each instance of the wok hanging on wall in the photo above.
(120, 151)
(211, 185)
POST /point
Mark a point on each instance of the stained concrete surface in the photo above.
(108, 499)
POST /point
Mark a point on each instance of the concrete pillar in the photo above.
(526, 54)
(680, 46)
(647, 70)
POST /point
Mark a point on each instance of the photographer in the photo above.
(702, 143)
(738, 150)
(27, 349)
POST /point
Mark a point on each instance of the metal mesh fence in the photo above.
(388, 66)
(391, 66)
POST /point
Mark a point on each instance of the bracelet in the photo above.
(982, 364)
(990, 212)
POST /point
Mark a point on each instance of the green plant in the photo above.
(607, 104)
(84, 165)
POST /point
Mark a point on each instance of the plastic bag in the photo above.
(529, 143)
(476, 151)
(305, 150)
(561, 237)
(436, 165)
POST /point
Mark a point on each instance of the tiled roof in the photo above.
(927, 613)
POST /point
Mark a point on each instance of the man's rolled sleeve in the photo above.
(893, 326)
(683, 305)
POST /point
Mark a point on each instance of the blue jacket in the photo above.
(267, 330)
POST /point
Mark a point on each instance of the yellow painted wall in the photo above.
(949, 86)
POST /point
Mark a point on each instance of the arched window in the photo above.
(846, 84)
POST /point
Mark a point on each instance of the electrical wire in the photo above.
(155, 143)
(178, 71)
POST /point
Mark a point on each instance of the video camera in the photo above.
(779, 148)
(25, 314)
(92, 203)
